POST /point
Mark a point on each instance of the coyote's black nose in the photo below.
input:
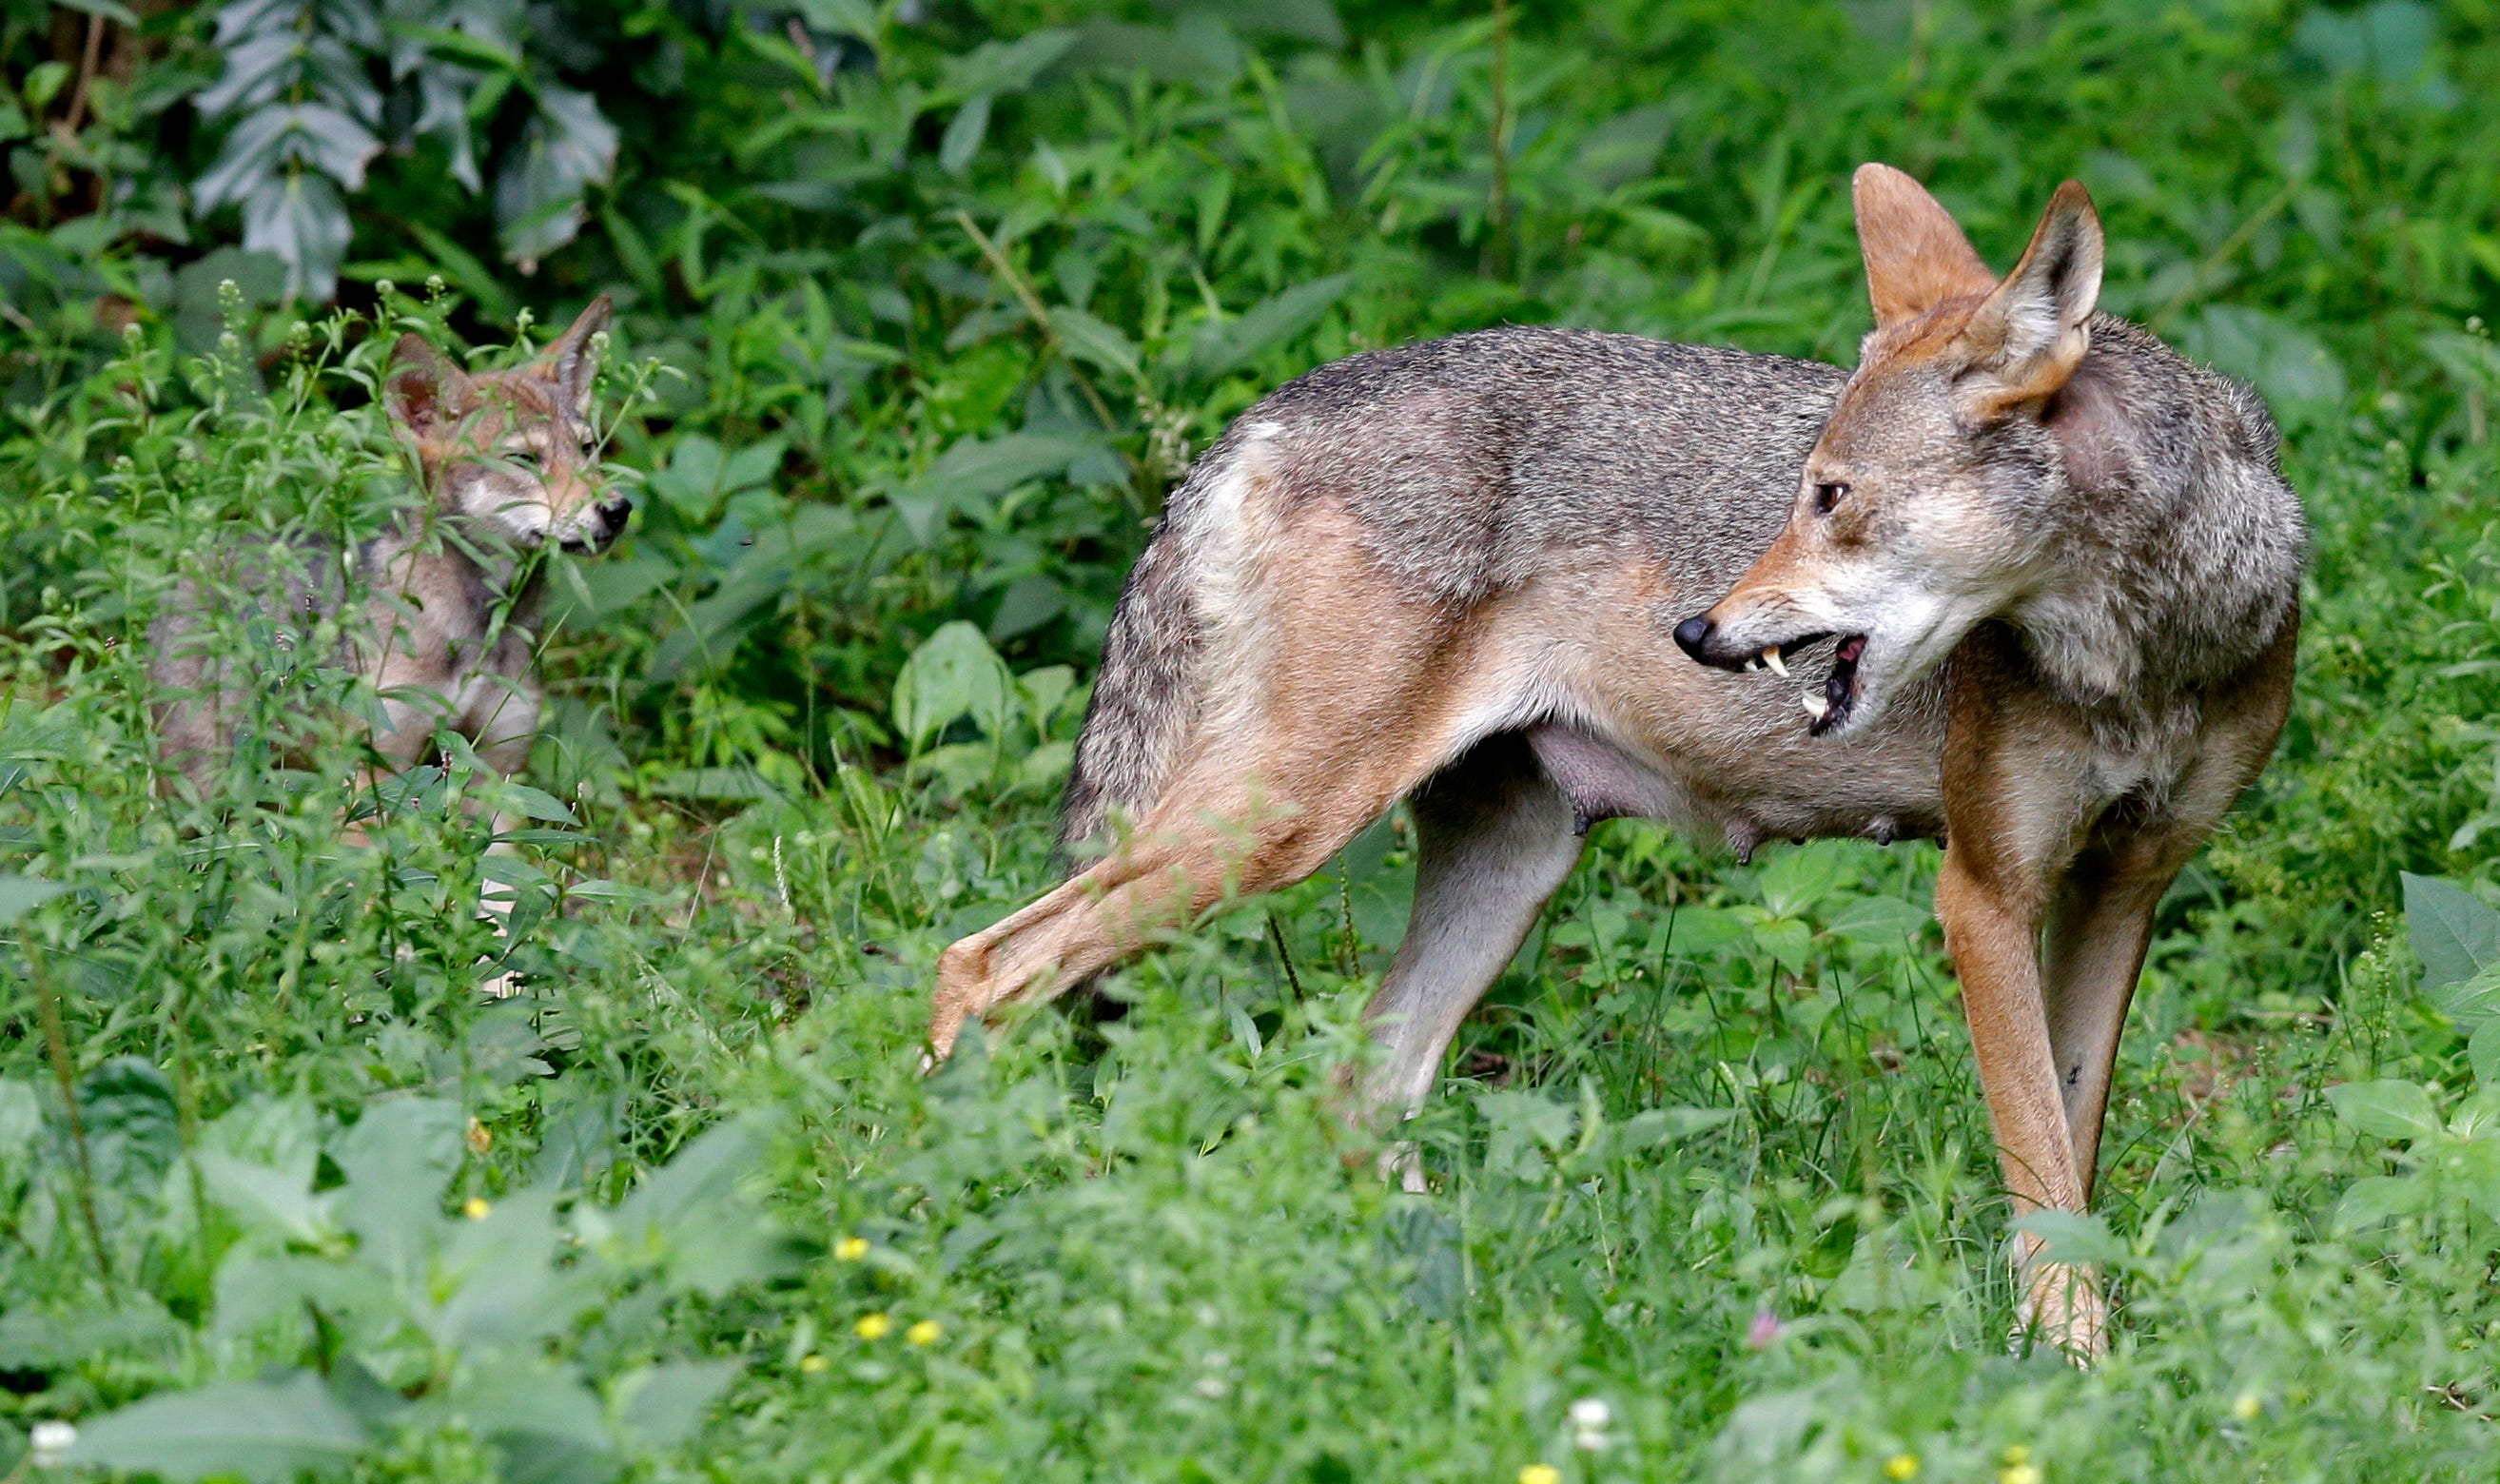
(612, 514)
(1692, 634)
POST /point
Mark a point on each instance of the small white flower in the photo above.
(52, 1439)
(1591, 1412)
(1211, 1387)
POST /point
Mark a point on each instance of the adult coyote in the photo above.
(2025, 580)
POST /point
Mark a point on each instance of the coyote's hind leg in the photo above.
(1494, 838)
(1207, 836)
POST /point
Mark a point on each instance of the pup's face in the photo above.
(1927, 505)
(514, 450)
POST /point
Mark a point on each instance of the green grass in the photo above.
(1713, 1152)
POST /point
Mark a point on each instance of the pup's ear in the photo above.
(1916, 255)
(572, 362)
(425, 391)
(2031, 333)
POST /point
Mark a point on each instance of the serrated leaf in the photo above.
(1094, 342)
(2386, 1110)
(2453, 934)
(264, 1431)
(1225, 347)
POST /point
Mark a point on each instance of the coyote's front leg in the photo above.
(1992, 927)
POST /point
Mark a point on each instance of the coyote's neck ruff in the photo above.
(2025, 580)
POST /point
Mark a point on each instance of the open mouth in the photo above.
(1828, 705)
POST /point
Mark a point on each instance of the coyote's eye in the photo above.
(1826, 496)
(524, 458)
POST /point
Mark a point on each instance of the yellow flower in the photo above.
(850, 1249)
(2247, 1407)
(1901, 1466)
(2018, 1474)
(873, 1326)
(2017, 1455)
(1540, 1473)
(811, 1364)
(925, 1333)
(475, 1207)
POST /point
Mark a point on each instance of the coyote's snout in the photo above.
(2026, 580)
(1928, 505)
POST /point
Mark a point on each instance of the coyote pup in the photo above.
(2036, 576)
(507, 463)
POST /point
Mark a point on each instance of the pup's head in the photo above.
(513, 450)
(1930, 502)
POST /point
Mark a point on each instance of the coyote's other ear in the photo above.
(425, 391)
(2031, 333)
(572, 362)
(1916, 256)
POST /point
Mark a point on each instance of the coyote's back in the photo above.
(1470, 466)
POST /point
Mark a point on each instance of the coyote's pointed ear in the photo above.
(1916, 256)
(425, 391)
(2031, 333)
(572, 362)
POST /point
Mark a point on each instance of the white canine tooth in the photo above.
(1771, 657)
(1754, 663)
(1815, 706)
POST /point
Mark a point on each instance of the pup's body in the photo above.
(2037, 600)
(437, 615)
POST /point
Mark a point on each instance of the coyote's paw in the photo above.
(2062, 1306)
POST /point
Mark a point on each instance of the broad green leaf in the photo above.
(2483, 1050)
(21, 895)
(1886, 922)
(1005, 66)
(1094, 342)
(132, 1122)
(397, 1159)
(2072, 1236)
(660, 1407)
(2470, 1002)
(2378, 1198)
(272, 1200)
(264, 1431)
(1226, 346)
(2386, 1110)
(953, 674)
(964, 135)
(975, 470)
(2454, 933)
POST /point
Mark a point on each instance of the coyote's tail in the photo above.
(1144, 697)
